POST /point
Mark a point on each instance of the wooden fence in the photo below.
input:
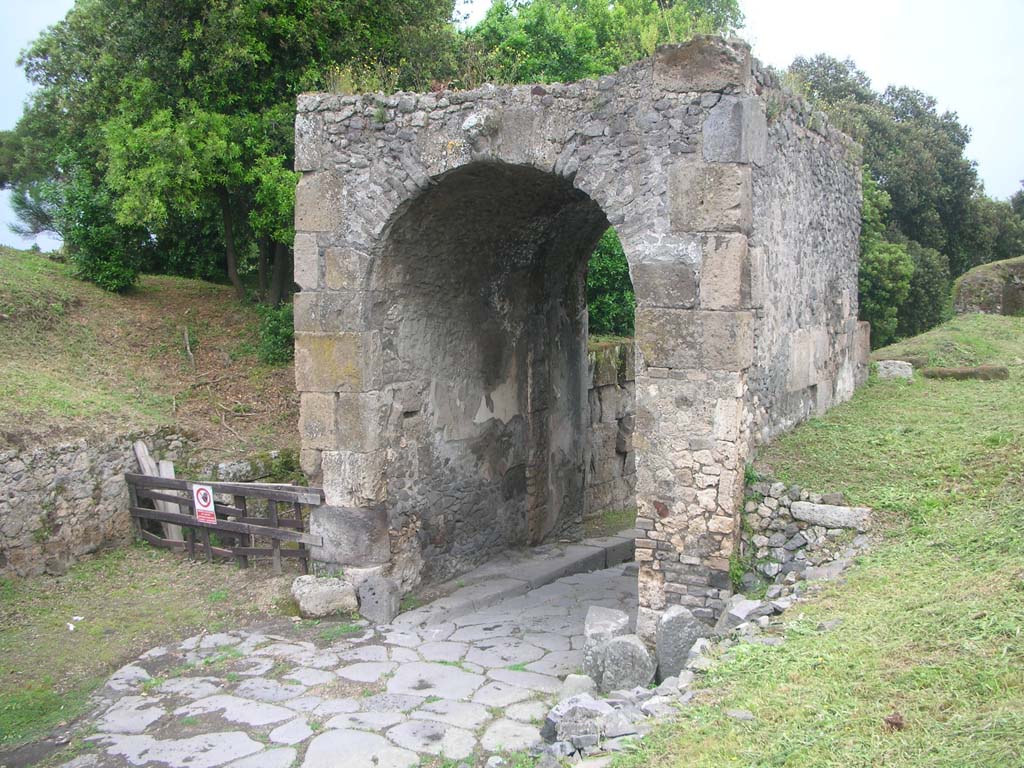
(258, 511)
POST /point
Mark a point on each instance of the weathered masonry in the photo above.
(441, 247)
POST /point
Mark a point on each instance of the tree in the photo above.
(183, 109)
(885, 268)
(928, 297)
(610, 298)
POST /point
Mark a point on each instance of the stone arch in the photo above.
(495, 197)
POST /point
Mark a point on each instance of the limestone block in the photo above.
(895, 369)
(695, 339)
(379, 599)
(351, 536)
(678, 629)
(353, 479)
(831, 515)
(307, 261)
(725, 273)
(361, 417)
(627, 664)
(330, 362)
(702, 64)
(599, 627)
(308, 140)
(710, 197)
(665, 284)
(318, 597)
(317, 426)
(736, 131)
(319, 202)
(344, 269)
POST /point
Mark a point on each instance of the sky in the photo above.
(966, 55)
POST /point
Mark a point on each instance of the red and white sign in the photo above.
(203, 497)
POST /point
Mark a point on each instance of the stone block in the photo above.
(703, 64)
(665, 284)
(317, 420)
(354, 479)
(832, 515)
(695, 339)
(344, 269)
(599, 627)
(739, 610)
(360, 419)
(308, 140)
(569, 718)
(307, 261)
(627, 664)
(895, 369)
(351, 536)
(710, 197)
(319, 199)
(379, 599)
(318, 597)
(330, 362)
(573, 685)
(678, 630)
(725, 273)
(736, 131)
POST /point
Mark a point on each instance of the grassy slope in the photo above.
(932, 620)
(80, 361)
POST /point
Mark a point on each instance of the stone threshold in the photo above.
(516, 572)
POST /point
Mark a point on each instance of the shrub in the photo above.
(276, 334)
(928, 300)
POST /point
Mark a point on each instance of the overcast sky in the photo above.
(966, 55)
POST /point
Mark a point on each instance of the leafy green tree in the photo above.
(885, 268)
(928, 301)
(610, 298)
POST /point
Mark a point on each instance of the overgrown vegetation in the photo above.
(930, 622)
(610, 299)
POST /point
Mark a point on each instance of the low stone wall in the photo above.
(60, 502)
(610, 460)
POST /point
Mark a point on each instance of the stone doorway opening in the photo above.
(480, 298)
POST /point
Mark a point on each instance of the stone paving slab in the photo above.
(389, 697)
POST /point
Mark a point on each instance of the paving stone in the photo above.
(404, 639)
(237, 710)
(390, 702)
(265, 689)
(305, 703)
(499, 694)
(208, 750)
(443, 650)
(357, 749)
(366, 721)
(191, 687)
(558, 663)
(316, 659)
(365, 653)
(367, 671)
(291, 733)
(272, 758)
(503, 652)
(282, 648)
(435, 632)
(254, 667)
(309, 676)
(530, 680)
(128, 678)
(219, 640)
(429, 679)
(336, 707)
(549, 641)
(509, 736)
(404, 655)
(463, 714)
(433, 738)
(527, 711)
(131, 714)
(483, 632)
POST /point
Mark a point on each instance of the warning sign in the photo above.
(203, 497)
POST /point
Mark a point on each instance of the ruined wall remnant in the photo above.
(996, 288)
(441, 247)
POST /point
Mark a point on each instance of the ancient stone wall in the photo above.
(441, 246)
(610, 458)
(61, 502)
(809, 349)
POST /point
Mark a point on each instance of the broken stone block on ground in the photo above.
(319, 597)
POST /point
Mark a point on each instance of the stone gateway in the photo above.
(441, 247)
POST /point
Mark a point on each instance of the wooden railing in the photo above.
(258, 511)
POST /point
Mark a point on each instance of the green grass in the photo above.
(932, 619)
(338, 631)
(130, 599)
(966, 340)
